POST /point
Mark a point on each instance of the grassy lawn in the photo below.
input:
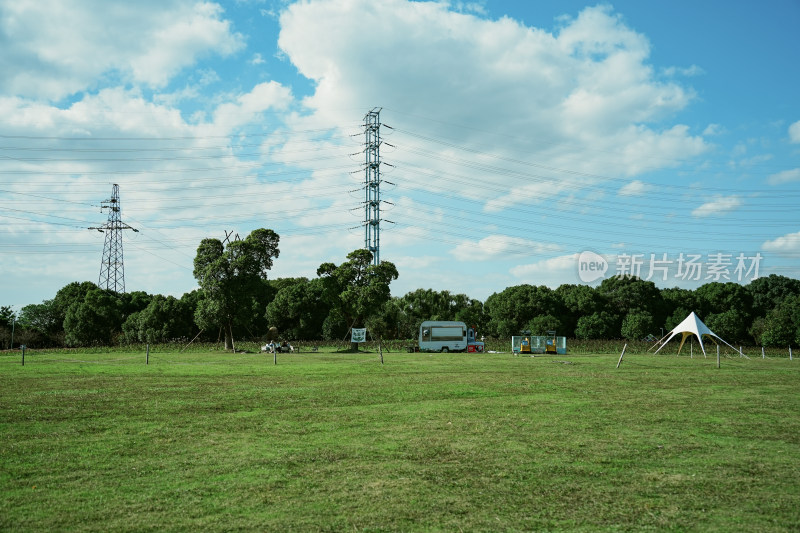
(323, 441)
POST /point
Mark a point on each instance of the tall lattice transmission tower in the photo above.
(372, 184)
(112, 267)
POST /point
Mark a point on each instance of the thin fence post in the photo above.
(23, 355)
(790, 353)
(762, 353)
(147, 357)
(717, 355)
(275, 356)
(620, 355)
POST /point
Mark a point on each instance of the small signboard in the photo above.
(358, 335)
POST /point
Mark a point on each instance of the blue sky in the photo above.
(519, 138)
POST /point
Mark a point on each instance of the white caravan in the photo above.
(447, 336)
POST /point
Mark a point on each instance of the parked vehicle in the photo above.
(448, 336)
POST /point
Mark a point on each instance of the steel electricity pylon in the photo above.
(372, 185)
(112, 267)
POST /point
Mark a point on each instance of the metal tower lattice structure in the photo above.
(112, 267)
(372, 184)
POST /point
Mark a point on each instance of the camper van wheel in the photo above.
(445, 349)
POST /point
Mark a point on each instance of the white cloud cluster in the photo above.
(784, 176)
(633, 188)
(586, 86)
(55, 48)
(500, 246)
(794, 132)
(788, 244)
(718, 206)
(553, 271)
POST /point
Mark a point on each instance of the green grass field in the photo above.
(324, 441)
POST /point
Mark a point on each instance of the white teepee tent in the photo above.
(691, 325)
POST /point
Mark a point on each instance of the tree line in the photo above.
(237, 300)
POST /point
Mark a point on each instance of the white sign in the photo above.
(358, 335)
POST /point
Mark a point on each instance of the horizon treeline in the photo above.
(766, 312)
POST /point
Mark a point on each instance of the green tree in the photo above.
(731, 325)
(511, 310)
(192, 301)
(578, 301)
(782, 324)
(229, 275)
(42, 324)
(389, 322)
(70, 294)
(95, 320)
(7, 318)
(472, 313)
(679, 303)
(716, 297)
(133, 302)
(335, 327)
(598, 325)
(297, 310)
(541, 324)
(627, 294)
(636, 325)
(428, 304)
(164, 319)
(768, 292)
(357, 289)
(41, 318)
(756, 330)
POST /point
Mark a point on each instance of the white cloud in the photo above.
(718, 206)
(784, 176)
(586, 88)
(634, 188)
(264, 96)
(552, 272)
(257, 60)
(499, 246)
(694, 70)
(68, 45)
(794, 132)
(713, 129)
(788, 244)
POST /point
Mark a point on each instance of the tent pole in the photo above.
(659, 341)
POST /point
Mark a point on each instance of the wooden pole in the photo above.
(790, 353)
(147, 357)
(380, 348)
(191, 341)
(23, 355)
(620, 355)
(275, 355)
